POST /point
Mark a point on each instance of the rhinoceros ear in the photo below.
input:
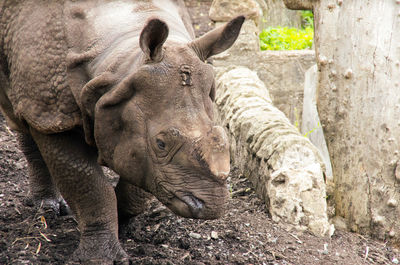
(108, 124)
(90, 94)
(217, 40)
(152, 38)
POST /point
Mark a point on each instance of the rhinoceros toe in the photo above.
(100, 247)
(56, 205)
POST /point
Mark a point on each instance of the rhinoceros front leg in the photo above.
(42, 188)
(131, 200)
(83, 185)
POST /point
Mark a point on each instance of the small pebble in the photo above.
(379, 220)
(194, 235)
(325, 251)
(273, 240)
(392, 202)
(395, 261)
(214, 235)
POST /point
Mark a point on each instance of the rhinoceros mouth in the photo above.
(195, 204)
(187, 205)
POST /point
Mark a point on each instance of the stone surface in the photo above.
(265, 13)
(339, 222)
(301, 4)
(275, 14)
(225, 10)
(281, 71)
(284, 166)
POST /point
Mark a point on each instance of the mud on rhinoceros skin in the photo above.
(121, 84)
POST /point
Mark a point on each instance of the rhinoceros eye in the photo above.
(160, 144)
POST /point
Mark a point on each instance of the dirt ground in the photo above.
(245, 235)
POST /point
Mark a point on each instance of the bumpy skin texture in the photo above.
(92, 199)
(131, 200)
(121, 84)
(43, 190)
(35, 48)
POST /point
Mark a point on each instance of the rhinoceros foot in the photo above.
(57, 205)
(99, 248)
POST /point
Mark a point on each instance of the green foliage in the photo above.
(284, 38)
(307, 19)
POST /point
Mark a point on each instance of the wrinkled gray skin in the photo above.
(121, 84)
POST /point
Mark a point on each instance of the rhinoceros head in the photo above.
(156, 128)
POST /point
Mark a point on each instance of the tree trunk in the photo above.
(358, 51)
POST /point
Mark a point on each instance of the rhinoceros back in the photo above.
(112, 29)
(40, 36)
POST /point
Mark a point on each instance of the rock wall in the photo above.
(275, 14)
(265, 13)
(284, 166)
(281, 71)
(286, 169)
(224, 10)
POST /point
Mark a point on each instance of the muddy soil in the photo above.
(245, 235)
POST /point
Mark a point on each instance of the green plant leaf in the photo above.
(284, 38)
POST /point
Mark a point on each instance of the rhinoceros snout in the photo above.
(192, 166)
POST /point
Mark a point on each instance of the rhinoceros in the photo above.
(122, 84)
